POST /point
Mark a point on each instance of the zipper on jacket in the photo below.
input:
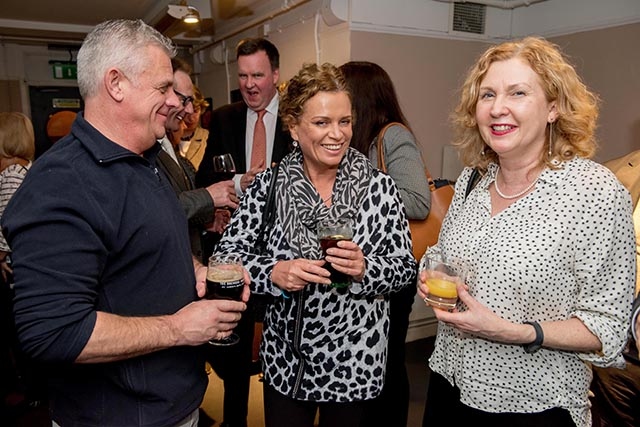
(155, 170)
(297, 340)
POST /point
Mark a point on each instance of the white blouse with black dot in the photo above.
(567, 249)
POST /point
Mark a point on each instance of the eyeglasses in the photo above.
(184, 100)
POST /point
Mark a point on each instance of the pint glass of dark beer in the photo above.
(225, 280)
(330, 232)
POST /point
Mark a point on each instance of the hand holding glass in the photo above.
(225, 280)
(330, 232)
(442, 276)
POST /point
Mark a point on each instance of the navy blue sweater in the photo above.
(95, 227)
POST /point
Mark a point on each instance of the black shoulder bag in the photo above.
(260, 302)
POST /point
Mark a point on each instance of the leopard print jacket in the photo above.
(321, 344)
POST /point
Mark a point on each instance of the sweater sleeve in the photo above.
(405, 166)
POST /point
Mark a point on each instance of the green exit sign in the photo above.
(65, 71)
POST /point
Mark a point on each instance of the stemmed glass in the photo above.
(225, 280)
(224, 167)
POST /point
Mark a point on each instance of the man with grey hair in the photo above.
(106, 290)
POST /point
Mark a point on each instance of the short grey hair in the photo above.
(117, 43)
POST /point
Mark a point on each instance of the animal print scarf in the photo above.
(300, 207)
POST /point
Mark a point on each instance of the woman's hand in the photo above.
(347, 258)
(423, 289)
(293, 275)
(480, 321)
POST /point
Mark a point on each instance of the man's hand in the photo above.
(223, 194)
(250, 175)
(220, 221)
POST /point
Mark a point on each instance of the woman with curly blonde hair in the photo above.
(546, 236)
(570, 134)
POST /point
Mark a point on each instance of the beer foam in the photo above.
(223, 275)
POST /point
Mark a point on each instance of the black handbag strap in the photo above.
(268, 213)
(473, 180)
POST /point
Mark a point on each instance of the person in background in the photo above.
(323, 348)
(232, 130)
(107, 293)
(206, 208)
(17, 150)
(191, 138)
(376, 105)
(232, 126)
(616, 392)
(547, 238)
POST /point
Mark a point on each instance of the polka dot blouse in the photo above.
(567, 249)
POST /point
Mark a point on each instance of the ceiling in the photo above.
(40, 21)
(67, 21)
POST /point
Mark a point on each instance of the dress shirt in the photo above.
(168, 147)
(270, 118)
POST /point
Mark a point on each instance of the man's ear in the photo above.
(114, 82)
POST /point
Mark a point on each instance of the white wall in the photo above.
(559, 17)
(301, 36)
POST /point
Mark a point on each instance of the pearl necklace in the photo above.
(514, 196)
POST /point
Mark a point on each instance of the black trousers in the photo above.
(391, 408)
(443, 408)
(234, 366)
(280, 411)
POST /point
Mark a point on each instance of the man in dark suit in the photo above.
(616, 400)
(199, 204)
(232, 125)
(233, 129)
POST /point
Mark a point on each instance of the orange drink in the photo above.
(442, 293)
(441, 279)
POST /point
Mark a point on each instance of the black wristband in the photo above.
(537, 343)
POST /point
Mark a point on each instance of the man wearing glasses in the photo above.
(200, 204)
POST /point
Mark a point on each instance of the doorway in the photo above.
(46, 101)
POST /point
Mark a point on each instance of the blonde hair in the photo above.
(577, 107)
(198, 99)
(16, 136)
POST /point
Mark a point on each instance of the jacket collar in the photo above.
(101, 148)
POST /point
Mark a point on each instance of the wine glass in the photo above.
(224, 167)
(225, 280)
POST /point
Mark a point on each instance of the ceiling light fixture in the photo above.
(188, 14)
(193, 17)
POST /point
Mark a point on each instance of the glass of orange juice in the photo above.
(442, 276)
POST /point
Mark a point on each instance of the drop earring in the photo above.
(295, 144)
(554, 161)
(550, 139)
